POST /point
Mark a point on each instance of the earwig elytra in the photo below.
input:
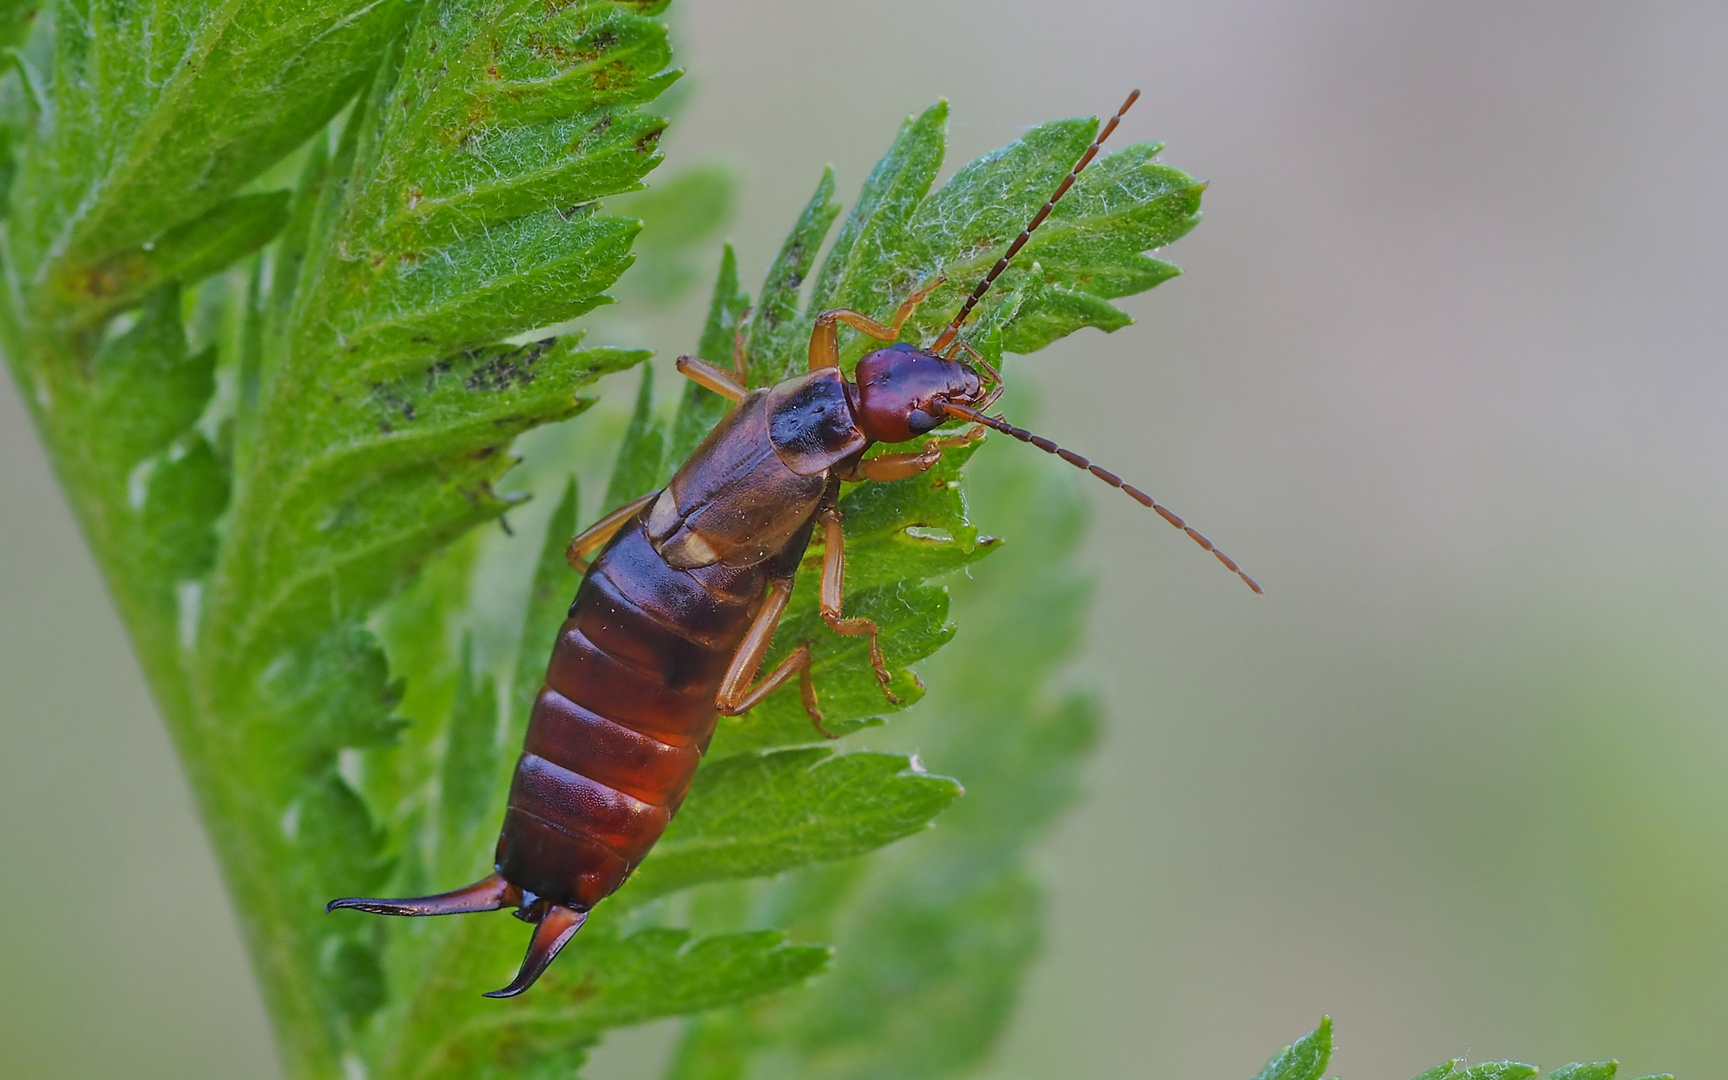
(673, 619)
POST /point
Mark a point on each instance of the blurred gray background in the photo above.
(1446, 372)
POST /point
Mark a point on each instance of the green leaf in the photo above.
(138, 143)
(863, 271)
(149, 392)
(186, 253)
(609, 981)
(1442, 1071)
(549, 597)
(468, 788)
(779, 333)
(700, 408)
(913, 624)
(534, 271)
(756, 815)
(1499, 1070)
(637, 471)
(15, 19)
(1596, 1070)
(407, 464)
(929, 993)
(1304, 1059)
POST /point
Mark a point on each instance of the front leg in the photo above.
(825, 339)
(833, 589)
(885, 467)
(737, 695)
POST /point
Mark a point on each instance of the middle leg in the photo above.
(833, 590)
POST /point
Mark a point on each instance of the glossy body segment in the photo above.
(627, 710)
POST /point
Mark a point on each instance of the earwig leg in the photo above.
(554, 931)
(487, 894)
(885, 467)
(825, 339)
(798, 663)
(737, 695)
(833, 589)
(705, 374)
(595, 536)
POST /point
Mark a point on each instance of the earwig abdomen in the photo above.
(626, 712)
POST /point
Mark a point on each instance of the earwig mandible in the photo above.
(675, 613)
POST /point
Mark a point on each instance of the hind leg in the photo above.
(737, 694)
(595, 536)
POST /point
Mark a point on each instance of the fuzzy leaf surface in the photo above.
(756, 815)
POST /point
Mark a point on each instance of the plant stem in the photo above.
(54, 374)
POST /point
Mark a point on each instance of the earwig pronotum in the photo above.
(675, 614)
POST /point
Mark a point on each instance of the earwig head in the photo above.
(901, 392)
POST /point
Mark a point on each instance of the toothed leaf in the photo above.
(755, 815)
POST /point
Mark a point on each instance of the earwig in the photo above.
(673, 619)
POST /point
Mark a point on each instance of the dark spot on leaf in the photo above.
(545, 48)
(503, 372)
(647, 142)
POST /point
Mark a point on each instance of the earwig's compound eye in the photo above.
(921, 422)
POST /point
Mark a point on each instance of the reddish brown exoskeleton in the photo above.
(674, 616)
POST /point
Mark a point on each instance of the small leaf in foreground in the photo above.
(1304, 1059)
(612, 982)
(1499, 1070)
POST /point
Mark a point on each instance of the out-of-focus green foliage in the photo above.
(1307, 1057)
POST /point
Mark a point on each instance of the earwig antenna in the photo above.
(953, 328)
(999, 424)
